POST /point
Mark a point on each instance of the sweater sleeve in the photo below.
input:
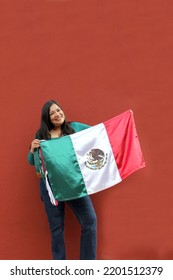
(79, 126)
(30, 158)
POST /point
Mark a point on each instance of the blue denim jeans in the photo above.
(86, 216)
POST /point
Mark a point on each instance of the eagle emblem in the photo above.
(95, 159)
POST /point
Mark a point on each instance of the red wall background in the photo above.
(98, 59)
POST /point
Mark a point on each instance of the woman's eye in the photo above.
(58, 110)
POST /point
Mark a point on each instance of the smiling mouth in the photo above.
(58, 119)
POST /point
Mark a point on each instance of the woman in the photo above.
(54, 125)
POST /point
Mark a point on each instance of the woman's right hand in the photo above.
(35, 144)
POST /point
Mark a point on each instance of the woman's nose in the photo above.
(57, 113)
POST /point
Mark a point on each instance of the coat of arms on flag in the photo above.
(96, 159)
(93, 159)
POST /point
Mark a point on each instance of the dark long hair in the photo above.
(46, 125)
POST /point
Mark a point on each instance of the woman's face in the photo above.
(57, 116)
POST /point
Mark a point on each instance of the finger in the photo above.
(36, 142)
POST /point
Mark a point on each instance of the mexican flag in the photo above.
(93, 159)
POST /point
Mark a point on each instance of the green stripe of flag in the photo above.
(63, 174)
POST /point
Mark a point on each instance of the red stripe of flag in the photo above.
(125, 144)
